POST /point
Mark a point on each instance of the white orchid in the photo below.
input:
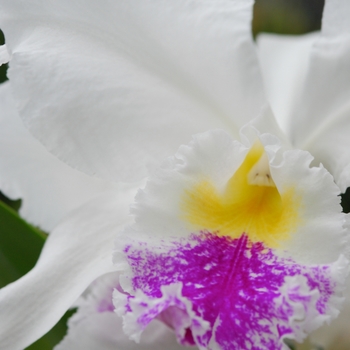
(112, 89)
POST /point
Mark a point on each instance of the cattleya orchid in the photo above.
(236, 240)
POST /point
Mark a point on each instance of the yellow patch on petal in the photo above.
(250, 203)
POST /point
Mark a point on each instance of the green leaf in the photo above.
(3, 68)
(20, 247)
(345, 201)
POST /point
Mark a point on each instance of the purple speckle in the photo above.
(243, 290)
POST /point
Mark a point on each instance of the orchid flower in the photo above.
(237, 240)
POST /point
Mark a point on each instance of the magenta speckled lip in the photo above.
(240, 288)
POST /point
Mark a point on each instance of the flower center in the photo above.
(250, 204)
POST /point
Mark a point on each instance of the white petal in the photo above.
(49, 189)
(104, 331)
(92, 328)
(330, 145)
(335, 18)
(321, 118)
(4, 55)
(284, 61)
(76, 253)
(110, 86)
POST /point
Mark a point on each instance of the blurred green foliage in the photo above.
(287, 16)
(3, 68)
(14, 204)
(345, 201)
(20, 245)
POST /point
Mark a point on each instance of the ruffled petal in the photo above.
(96, 326)
(320, 118)
(109, 87)
(215, 156)
(284, 62)
(76, 253)
(49, 189)
(336, 334)
(235, 245)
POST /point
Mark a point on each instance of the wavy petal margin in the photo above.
(49, 189)
(153, 74)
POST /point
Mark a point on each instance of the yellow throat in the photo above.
(250, 204)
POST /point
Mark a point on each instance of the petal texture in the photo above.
(235, 245)
(111, 87)
(49, 189)
(321, 117)
(76, 253)
(284, 62)
(97, 326)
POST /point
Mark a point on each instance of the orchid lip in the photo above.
(223, 246)
(225, 283)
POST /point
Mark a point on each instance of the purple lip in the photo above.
(240, 288)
